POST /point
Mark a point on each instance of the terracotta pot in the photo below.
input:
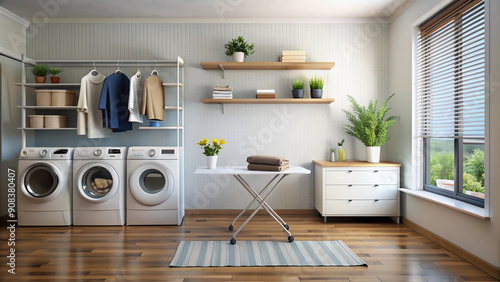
(55, 79)
(40, 79)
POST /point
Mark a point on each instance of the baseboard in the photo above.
(262, 211)
(476, 261)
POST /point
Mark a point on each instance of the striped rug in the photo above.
(264, 253)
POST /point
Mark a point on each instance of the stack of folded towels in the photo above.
(267, 163)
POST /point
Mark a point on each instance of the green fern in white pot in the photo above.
(369, 125)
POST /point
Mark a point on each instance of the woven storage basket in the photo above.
(43, 98)
(36, 121)
(63, 98)
(55, 121)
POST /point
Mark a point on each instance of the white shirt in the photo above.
(89, 116)
(134, 98)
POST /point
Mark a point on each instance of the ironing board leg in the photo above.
(262, 202)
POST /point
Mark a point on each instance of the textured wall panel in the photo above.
(299, 132)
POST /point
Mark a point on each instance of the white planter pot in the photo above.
(211, 162)
(238, 57)
(332, 156)
(373, 154)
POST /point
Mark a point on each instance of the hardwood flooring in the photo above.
(138, 253)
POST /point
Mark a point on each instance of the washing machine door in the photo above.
(42, 181)
(97, 182)
(151, 184)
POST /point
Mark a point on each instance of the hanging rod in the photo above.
(111, 63)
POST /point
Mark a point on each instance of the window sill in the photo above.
(448, 202)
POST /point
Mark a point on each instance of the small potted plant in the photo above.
(332, 154)
(211, 151)
(370, 126)
(239, 49)
(316, 84)
(55, 78)
(298, 88)
(40, 72)
(342, 154)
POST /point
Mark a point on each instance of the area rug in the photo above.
(264, 253)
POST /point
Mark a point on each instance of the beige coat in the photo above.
(153, 98)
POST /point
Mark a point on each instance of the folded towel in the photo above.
(268, 167)
(268, 160)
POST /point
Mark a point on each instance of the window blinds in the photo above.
(451, 73)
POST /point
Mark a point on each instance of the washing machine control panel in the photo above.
(149, 153)
(101, 153)
(46, 153)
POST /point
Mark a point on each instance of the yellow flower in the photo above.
(222, 142)
(215, 141)
(203, 142)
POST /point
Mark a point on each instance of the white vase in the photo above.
(332, 156)
(212, 162)
(238, 57)
(373, 154)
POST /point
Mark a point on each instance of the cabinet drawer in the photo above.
(355, 176)
(351, 192)
(362, 207)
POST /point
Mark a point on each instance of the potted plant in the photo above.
(54, 72)
(298, 88)
(332, 154)
(370, 126)
(40, 72)
(342, 154)
(316, 84)
(211, 151)
(239, 49)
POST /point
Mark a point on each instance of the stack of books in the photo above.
(222, 92)
(265, 94)
(293, 56)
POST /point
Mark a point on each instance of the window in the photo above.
(451, 93)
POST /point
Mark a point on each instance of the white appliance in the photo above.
(99, 186)
(155, 194)
(45, 186)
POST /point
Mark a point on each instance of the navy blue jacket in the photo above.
(114, 102)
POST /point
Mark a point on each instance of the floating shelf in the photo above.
(49, 85)
(173, 84)
(49, 107)
(268, 101)
(267, 66)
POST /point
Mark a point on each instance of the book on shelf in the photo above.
(265, 96)
(293, 52)
(223, 88)
(222, 92)
(292, 58)
(266, 91)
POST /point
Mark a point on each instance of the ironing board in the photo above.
(261, 197)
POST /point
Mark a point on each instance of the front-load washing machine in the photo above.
(154, 194)
(99, 185)
(45, 186)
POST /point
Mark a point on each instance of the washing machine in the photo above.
(45, 186)
(99, 175)
(155, 194)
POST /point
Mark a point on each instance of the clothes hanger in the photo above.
(154, 72)
(138, 73)
(118, 70)
(94, 72)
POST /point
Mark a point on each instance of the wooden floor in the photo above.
(138, 253)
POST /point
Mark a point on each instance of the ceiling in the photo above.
(207, 10)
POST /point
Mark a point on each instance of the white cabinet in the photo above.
(357, 189)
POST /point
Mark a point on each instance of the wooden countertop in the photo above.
(355, 164)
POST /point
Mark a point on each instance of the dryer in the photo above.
(45, 186)
(155, 188)
(99, 186)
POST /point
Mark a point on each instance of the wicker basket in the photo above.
(43, 98)
(55, 121)
(63, 98)
(36, 121)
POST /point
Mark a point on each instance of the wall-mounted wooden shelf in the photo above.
(267, 66)
(268, 101)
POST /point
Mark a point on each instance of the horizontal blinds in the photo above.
(451, 75)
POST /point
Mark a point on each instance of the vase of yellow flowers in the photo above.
(211, 151)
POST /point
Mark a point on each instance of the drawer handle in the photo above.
(349, 201)
(349, 171)
(376, 200)
(350, 185)
(376, 185)
(375, 171)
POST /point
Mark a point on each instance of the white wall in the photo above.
(12, 33)
(476, 236)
